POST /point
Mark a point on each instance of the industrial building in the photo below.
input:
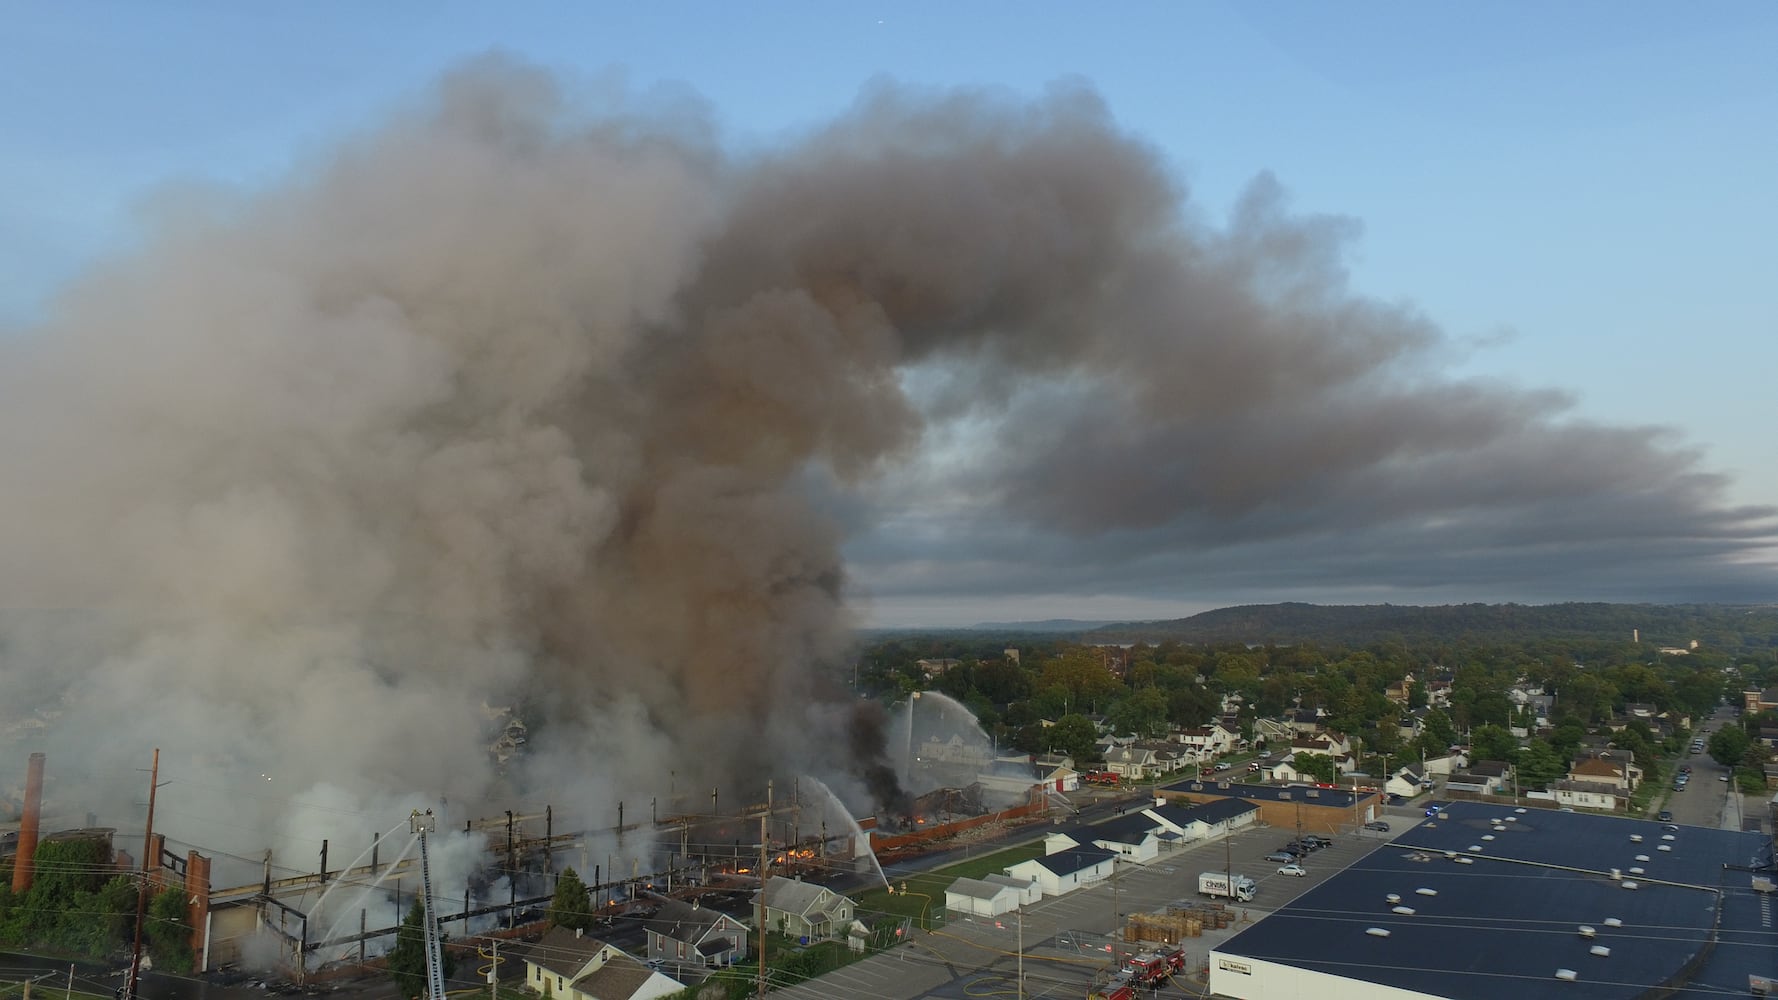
(1484, 901)
(1312, 808)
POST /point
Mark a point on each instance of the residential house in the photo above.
(1405, 783)
(1589, 794)
(568, 965)
(1438, 690)
(1066, 870)
(805, 910)
(1755, 700)
(1132, 762)
(1411, 724)
(1304, 720)
(980, 898)
(1399, 691)
(1768, 735)
(935, 668)
(1273, 732)
(956, 750)
(1609, 767)
(695, 935)
(1445, 764)
(1029, 890)
(1207, 741)
(1168, 756)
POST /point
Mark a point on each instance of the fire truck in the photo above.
(1152, 968)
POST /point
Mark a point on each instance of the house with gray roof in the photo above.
(568, 965)
(806, 910)
(695, 935)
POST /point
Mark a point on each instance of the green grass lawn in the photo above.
(924, 898)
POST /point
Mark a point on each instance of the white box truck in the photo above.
(1217, 884)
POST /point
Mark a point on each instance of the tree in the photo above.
(1075, 736)
(1144, 713)
(1315, 765)
(1439, 732)
(169, 932)
(1728, 745)
(570, 907)
(1539, 764)
(1491, 742)
(407, 960)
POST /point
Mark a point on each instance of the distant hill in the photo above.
(1722, 627)
(1047, 625)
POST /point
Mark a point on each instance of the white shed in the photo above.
(979, 898)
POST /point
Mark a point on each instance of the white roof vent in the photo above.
(1406, 911)
(1616, 874)
(1520, 811)
(1667, 836)
(1487, 836)
(1475, 848)
(1512, 819)
(1626, 883)
(1664, 847)
(1613, 922)
(1427, 892)
(1586, 931)
(1466, 860)
(1376, 932)
(1393, 898)
(1567, 975)
(1641, 857)
(1635, 838)
(1600, 950)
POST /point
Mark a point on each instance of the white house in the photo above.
(1066, 870)
(1405, 783)
(1445, 765)
(1208, 741)
(1588, 794)
(1200, 822)
(1135, 837)
(981, 898)
(567, 965)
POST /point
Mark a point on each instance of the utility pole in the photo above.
(1021, 987)
(763, 817)
(494, 972)
(154, 774)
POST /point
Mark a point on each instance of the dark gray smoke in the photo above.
(513, 405)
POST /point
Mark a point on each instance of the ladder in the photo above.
(422, 823)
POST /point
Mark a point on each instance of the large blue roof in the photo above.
(1506, 921)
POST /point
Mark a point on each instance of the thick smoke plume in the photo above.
(513, 404)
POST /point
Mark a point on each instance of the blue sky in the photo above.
(1580, 194)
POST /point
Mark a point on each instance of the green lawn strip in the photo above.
(924, 896)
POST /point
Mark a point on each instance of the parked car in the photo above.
(1377, 825)
(1316, 842)
(1292, 869)
(1722, 777)
(1432, 810)
(1664, 816)
(1280, 856)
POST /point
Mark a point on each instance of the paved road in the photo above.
(1706, 800)
(1065, 941)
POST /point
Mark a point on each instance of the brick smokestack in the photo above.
(28, 825)
(197, 897)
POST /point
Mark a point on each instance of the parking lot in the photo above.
(1063, 943)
